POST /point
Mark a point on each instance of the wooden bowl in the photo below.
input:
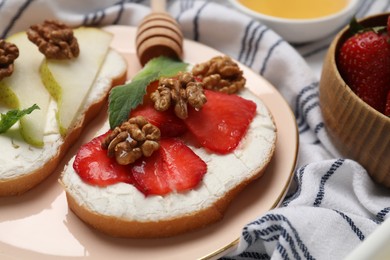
(357, 130)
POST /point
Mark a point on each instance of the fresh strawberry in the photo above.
(168, 123)
(222, 121)
(175, 167)
(387, 108)
(364, 63)
(95, 167)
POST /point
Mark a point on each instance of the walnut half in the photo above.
(54, 39)
(220, 73)
(179, 91)
(9, 52)
(132, 140)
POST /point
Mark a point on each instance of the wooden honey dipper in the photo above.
(158, 35)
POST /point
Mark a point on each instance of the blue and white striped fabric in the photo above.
(332, 205)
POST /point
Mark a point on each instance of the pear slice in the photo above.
(69, 81)
(25, 88)
(7, 97)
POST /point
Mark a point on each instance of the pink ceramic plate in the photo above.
(39, 225)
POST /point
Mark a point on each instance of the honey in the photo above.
(296, 9)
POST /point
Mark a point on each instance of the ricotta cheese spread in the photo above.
(19, 158)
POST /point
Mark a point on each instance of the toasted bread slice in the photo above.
(123, 211)
(24, 166)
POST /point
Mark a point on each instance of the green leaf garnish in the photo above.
(355, 27)
(126, 97)
(11, 117)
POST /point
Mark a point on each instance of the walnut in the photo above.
(132, 140)
(54, 39)
(179, 91)
(9, 52)
(220, 73)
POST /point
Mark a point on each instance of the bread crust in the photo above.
(21, 184)
(120, 227)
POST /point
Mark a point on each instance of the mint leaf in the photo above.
(11, 117)
(126, 97)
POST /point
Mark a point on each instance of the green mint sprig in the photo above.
(126, 97)
(8, 119)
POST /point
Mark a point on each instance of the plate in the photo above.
(39, 225)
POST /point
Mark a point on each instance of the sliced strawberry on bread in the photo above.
(96, 168)
(149, 90)
(174, 167)
(222, 121)
(168, 123)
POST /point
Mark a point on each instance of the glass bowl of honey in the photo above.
(300, 21)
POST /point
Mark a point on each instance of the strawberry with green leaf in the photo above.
(364, 63)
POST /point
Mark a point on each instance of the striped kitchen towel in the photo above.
(332, 204)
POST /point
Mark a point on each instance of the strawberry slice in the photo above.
(168, 123)
(174, 167)
(222, 121)
(149, 90)
(96, 168)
